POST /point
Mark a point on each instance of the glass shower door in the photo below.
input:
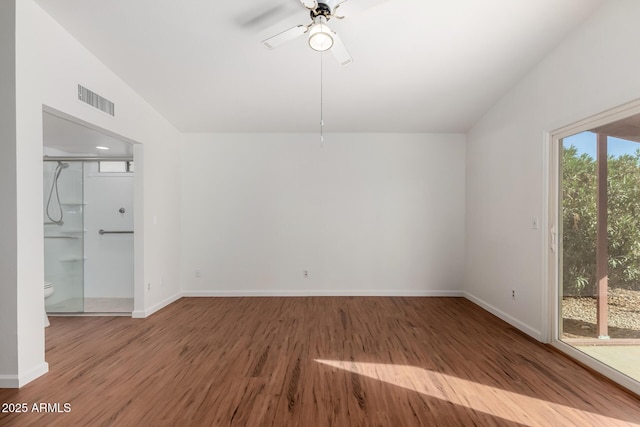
(64, 235)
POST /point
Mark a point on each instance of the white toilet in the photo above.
(48, 291)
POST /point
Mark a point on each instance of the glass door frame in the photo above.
(552, 238)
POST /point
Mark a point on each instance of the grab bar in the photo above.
(61, 237)
(101, 232)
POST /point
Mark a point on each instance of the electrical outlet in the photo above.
(513, 293)
(197, 273)
(148, 286)
(306, 274)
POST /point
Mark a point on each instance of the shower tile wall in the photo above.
(109, 264)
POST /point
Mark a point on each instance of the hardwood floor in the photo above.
(321, 361)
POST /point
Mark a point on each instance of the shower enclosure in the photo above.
(88, 235)
(64, 235)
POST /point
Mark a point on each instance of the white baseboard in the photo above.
(315, 293)
(17, 381)
(534, 333)
(141, 314)
(9, 381)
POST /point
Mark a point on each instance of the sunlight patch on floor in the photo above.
(478, 397)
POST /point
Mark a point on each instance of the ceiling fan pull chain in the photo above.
(321, 112)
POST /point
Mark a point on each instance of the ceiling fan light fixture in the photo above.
(320, 35)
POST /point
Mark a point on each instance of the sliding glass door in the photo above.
(598, 244)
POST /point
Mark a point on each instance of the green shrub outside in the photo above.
(579, 222)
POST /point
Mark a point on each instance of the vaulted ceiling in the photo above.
(418, 65)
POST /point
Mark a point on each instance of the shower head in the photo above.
(63, 165)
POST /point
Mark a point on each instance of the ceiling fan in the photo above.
(321, 37)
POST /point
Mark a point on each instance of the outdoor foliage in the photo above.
(579, 222)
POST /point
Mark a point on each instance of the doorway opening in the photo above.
(88, 200)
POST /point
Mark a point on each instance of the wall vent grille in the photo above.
(95, 100)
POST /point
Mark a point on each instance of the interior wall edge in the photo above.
(9, 236)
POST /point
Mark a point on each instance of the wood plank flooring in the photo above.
(317, 361)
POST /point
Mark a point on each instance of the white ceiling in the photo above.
(419, 65)
(63, 137)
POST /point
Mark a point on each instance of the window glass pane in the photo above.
(112, 166)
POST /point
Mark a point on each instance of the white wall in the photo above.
(49, 65)
(595, 69)
(365, 214)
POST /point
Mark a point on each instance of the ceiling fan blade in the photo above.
(350, 8)
(285, 36)
(340, 52)
(266, 16)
